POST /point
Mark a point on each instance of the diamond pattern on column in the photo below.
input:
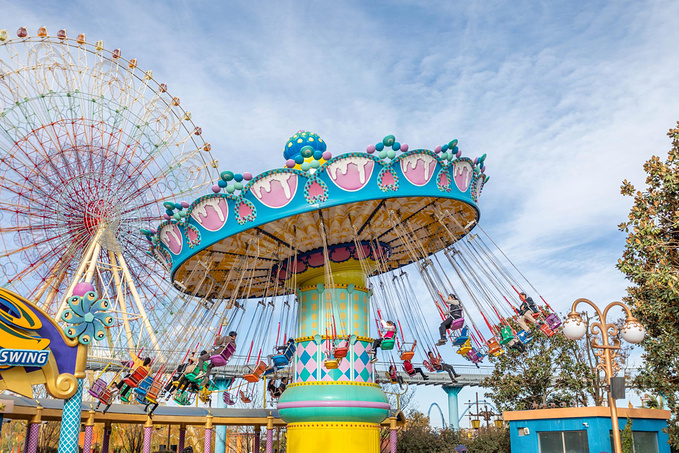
(70, 422)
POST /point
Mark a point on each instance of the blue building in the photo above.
(584, 430)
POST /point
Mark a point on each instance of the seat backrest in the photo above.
(290, 351)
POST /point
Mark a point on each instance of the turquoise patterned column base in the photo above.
(70, 422)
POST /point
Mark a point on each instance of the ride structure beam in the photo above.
(140, 305)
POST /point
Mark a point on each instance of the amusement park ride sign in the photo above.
(34, 350)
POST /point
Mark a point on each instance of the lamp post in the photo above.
(632, 331)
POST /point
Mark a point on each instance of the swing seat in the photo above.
(392, 379)
(465, 348)
(142, 389)
(154, 391)
(506, 334)
(223, 357)
(553, 321)
(457, 324)
(331, 364)
(387, 344)
(340, 353)
(546, 330)
(245, 398)
(228, 399)
(407, 355)
(204, 396)
(193, 375)
(125, 398)
(281, 360)
(428, 366)
(137, 376)
(106, 396)
(182, 398)
(475, 356)
(97, 388)
(256, 373)
(462, 338)
(494, 347)
(524, 337)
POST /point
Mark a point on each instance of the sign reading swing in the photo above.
(23, 357)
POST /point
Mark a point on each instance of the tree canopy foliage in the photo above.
(553, 371)
(651, 263)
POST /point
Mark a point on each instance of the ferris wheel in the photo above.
(91, 147)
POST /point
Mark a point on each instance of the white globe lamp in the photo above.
(574, 328)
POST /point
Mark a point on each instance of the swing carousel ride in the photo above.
(299, 277)
(324, 241)
(90, 147)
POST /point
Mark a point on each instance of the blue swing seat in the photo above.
(284, 359)
(462, 338)
(524, 337)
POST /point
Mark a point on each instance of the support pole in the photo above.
(392, 433)
(70, 422)
(221, 385)
(33, 432)
(106, 439)
(258, 433)
(182, 438)
(89, 426)
(148, 431)
(269, 434)
(208, 434)
(453, 412)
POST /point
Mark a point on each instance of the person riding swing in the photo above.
(454, 312)
(389, 334)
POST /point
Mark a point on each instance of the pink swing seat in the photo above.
(222, 358)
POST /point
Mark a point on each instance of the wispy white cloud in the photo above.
(567, 100)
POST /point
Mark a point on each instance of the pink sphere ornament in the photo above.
(404, 147)
(290, 163)
(370, 149)
(166, 217)
(458, 154)
(247, 176)
(476, 161)
(327, 155)
(437, 150)
(185, 204)
(483, 169)
(82, 288)
(216, 188)
(153, 231)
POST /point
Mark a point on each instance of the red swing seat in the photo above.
(245, 398)
(136, 377)
(340, 353)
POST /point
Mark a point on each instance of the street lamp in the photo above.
(632, 331)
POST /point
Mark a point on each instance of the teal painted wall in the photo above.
(598, 430)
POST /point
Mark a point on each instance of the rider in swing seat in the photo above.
(454, 312)
(389, 334)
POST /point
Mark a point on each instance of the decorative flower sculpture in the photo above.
(87, 316)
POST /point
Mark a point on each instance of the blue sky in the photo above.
(566, 98)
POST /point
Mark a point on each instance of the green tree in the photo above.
(490, 440)
(626, 438)
(551, 371)
(650, 262)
